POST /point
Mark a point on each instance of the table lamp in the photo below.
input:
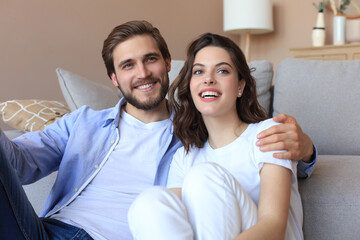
(249, 17)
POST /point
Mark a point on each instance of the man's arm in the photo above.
(290, 138)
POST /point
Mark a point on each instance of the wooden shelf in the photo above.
(328, 52)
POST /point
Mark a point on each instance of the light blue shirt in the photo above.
(77, 146)
(304, 170)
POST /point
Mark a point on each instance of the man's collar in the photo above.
(114, 115)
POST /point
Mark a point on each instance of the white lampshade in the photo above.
(252, 16)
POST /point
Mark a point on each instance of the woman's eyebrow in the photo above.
(223, 63)
(218, 64)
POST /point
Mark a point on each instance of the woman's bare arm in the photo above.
(273, 207)
(177, 191)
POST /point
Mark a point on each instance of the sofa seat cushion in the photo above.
(324, 98)
(331, 200)
(11, 134)
(37, 192)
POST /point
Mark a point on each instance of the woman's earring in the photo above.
(239, 94)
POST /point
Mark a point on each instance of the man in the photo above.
(106, 158)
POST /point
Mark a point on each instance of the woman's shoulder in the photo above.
(263, 125)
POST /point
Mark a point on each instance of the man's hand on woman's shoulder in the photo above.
(288, 137)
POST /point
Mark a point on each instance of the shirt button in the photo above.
(112, 141)
(96, 166)
(76, 189)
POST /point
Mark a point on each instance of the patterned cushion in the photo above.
(31, 115)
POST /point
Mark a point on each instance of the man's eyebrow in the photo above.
(151, 54)
(124, 62)
(145, 56)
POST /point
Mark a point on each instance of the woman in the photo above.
(222, 186)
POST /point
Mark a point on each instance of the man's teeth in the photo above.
(145, 86)
(209, 94)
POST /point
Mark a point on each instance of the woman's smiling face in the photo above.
(214, 83)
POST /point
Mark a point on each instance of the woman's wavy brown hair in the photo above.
(189, 126)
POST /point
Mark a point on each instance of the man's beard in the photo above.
(131, 99)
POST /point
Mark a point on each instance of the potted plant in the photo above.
(321, 6)
(340, 7)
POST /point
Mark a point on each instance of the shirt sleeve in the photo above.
(177, 169)
(267, 157)
(34, 155)
(304, 169)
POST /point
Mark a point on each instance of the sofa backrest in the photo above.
(324, 98)
(262, 72)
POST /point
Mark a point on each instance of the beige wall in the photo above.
(38, 36)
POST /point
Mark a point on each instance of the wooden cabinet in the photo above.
(328, 52)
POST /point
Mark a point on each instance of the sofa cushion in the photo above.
(330, 199)
(31, 114)
(79, 91)
(263, 75)
(176, 66)
(324, 98)
(11, 134)
(37, 192)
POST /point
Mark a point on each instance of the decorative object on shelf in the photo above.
(353, 24)
(350, 9)
(318, 36)
(340, 7)
(353, 30)
(339, 30)
(318, 32)
(321, 6)
(339, 22)
(249, 17)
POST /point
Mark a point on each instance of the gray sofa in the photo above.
(324, 97)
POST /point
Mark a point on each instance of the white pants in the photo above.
(213, 206)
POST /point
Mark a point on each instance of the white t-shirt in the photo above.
(101, 208)
(243, 159)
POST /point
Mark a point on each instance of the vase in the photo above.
(318, 32)
(352, 30)
(339, 27)
(318, 36)
(320, 23)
